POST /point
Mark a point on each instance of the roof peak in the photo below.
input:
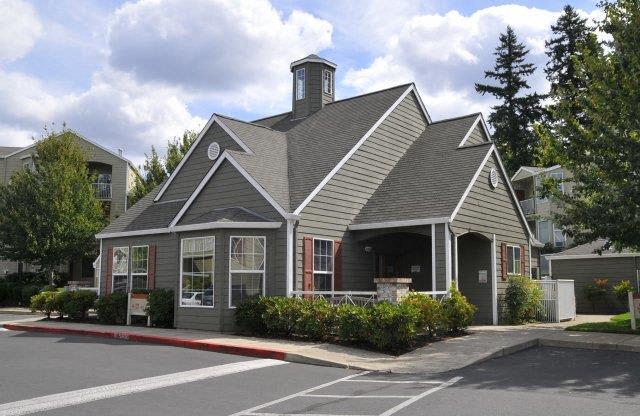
(312, 58)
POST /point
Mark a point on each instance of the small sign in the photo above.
(634, 308)
(415, 268)
(136, 306)
(482, 276)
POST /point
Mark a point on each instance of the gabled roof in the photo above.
(431, 178)
(529, 171)
(5, 150)
(595, 249)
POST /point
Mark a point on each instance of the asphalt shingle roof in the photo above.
(231, 214)
(591, 248)
(5, 150)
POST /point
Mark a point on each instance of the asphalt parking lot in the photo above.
(70, 375)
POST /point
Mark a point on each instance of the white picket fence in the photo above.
(559, 302)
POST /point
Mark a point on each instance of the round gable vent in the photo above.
(213, 151)
(495, 179)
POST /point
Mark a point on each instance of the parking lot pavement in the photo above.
(127, 378)
(8, 317)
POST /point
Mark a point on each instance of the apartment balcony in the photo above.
(102, 190)
(528, 206)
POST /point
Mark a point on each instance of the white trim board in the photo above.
(195, 227)
(213, 119)
(346, 157)
(591, 256)
(472, 183)
(473, 126)
(395, 224)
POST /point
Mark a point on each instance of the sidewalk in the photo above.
(17, 310)
(483, 343)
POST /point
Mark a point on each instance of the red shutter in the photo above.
(523, 260)
(503, 259)
(337, 265)
(107, 278)
(307, 255)
(152, 267)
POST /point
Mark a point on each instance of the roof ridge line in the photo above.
(246, 122)
(370, 93)
(275, 115)
(444, 120)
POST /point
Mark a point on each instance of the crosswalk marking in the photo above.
(76, 397)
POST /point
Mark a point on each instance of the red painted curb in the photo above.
(157, 339)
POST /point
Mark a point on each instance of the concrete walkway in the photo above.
(483, 343)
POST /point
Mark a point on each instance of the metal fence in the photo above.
(559, 301)
(340, 297)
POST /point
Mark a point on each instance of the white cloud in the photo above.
(20, 27)
(445, 54)
(234, 51)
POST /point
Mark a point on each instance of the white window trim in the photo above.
(131, 273)
(304, 82)
(514, 260)
(332, 272)
(120, 274)
(264, 267)
(553, 231)
(213, 275)
(326, 72)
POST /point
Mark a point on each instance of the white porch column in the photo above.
(290, 248)
(455, 259)
(494, 281)
(530, 263)
(433, 258)
(447, 256)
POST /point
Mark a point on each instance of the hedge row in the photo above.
(75, 304)
(17, 289)
(383, 326)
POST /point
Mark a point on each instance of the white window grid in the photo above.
(144, 266)
(261, 271)
(325, 257)
(327, 82)
(515, 260)
(300, 83)
(120, 268)
(207, 241)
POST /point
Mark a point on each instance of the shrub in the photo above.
(4, 291)
(281, 315)
(393, 327)
(523, 299)
(46, 302)
(352, 323)
(457, 312)
(622, 289)
(76, 304)
(596, 292)
(249, 315)
(26, 292)
(315, 319)
(112, 309)
(430, 309)
(160, 307)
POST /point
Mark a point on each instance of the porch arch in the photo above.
(474, 260)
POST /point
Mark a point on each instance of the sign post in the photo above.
(634, 308)
(136, 305)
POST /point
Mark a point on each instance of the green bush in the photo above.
(621, 290)
(160, 307)
(46, 302)
(523, 300)
(26, 292)
(281, 315)
(393, 327)
(250, 315)
(112, 309)
(430, 309)
(315, 319)
(4, 292)
(352, 323)
(76, 304)
(596, 292)
(457, 312)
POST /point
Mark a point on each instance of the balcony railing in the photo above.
(528, 206)
(102, 190)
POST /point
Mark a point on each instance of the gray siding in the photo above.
(489, 211)
(336, 205)
(583, 271)
(314, 98)
(198, 164)
(477, 136)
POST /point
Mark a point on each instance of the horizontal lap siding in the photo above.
(336, 205)
(198, 164)
(583, 271)
(477, 136)
(493, 211)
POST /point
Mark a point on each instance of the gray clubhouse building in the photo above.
(325, 198)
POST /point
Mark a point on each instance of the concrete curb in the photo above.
(19, 312)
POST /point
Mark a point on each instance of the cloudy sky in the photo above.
(132, 74)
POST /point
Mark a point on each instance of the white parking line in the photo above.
(404, 404)
(343, 396)
(76, 397)
(364, 380)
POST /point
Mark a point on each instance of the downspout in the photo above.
(433, 258)
(447, 256)
(291, 221)
(494, 281)
(100, 274)
(530, 263)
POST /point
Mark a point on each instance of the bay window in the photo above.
(196, 272)
(246, 268)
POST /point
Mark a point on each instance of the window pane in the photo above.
(139, 259)
(247, 253)
(300, 87)
(322, 281)
(139, 281)
(120, 283)
(510, 266)
(121, 260)
(197, 271)
(245, 286)
(543, 231)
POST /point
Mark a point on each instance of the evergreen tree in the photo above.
(513, 117)
(49, 213)
(601, 145)
(177, 149)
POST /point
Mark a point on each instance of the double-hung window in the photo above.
(322, 264)
(120, 271)
(327, 82)
(139, 267)
(543, 231)
(196, 272)
(246, 268)
(300, 84)
(558, 237)
(513, 260)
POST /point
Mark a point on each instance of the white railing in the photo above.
(528, 206)
(559, 301)
(435, 293)
(102, 190)
(337, 297)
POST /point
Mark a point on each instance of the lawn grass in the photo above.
(619, 324)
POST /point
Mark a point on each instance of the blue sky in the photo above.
(132, 74)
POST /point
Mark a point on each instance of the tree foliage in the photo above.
(49, 214)
(513, 117)
(600, 143)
